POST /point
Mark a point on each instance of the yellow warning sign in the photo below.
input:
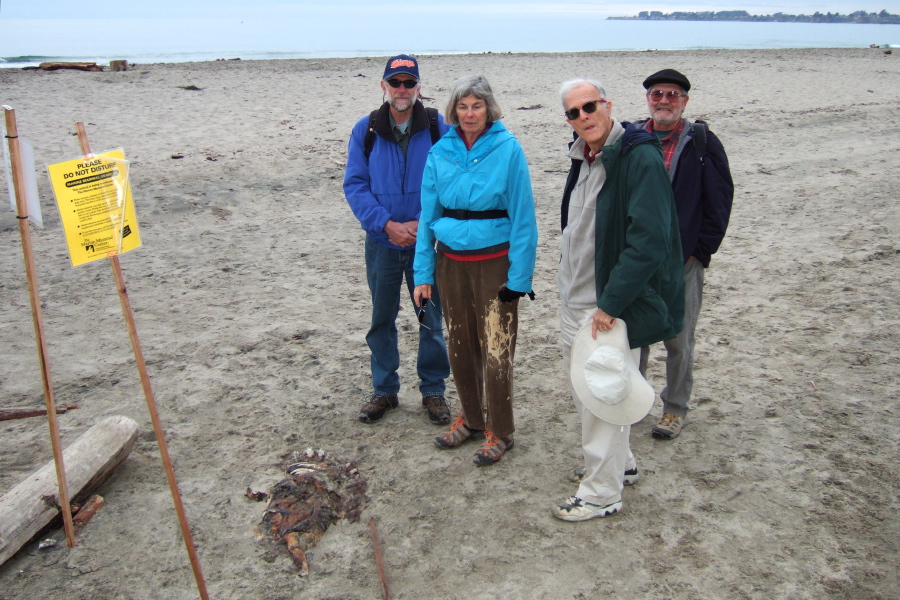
(94, 200)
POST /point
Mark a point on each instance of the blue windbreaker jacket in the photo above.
(387, 186)
(492, 175)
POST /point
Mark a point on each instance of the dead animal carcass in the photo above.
(320, 491)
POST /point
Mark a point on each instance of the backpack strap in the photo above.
(433, 125)
(369, 142)
(700, 130)
(567, 193)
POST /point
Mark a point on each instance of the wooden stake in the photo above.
(385, 593)
(151, 401)
(12, 132)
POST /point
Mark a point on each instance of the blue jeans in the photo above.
(385, 269)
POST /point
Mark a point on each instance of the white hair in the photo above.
(568, 86)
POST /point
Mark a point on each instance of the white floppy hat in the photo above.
(605, 378)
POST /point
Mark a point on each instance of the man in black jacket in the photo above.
(701, 181)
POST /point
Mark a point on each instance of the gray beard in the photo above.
(668, 119)
(394, 104)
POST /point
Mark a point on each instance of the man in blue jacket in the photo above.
(701, 181)
(386, 158)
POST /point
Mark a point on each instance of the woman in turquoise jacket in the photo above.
(477, 237)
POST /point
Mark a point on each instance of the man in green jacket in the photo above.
(617, 196)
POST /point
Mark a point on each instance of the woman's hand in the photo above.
(601, 322)
(422, 292)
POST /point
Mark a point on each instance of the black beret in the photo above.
(668, 76)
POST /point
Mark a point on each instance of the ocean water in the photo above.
(26, 42)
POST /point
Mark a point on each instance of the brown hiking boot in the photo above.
(438, 409)
(668, 427)
(459, 433)
(376, 406)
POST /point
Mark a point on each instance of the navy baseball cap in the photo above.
(402, 63)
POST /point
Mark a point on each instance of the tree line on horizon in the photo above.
(860, 16)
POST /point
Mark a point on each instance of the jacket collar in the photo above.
(634, 136)
(383, 120)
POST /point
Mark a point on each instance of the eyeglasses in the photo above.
(587, 107)
(671, 96)
(407, 83)
(421, 314)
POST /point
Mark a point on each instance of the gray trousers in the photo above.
(680, 349)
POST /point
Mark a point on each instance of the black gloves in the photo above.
(507, 295)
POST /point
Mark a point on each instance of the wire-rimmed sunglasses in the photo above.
(587, 107)
(671, 96)
(420, 314)
(407, 83)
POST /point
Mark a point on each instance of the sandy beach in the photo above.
(251, 304)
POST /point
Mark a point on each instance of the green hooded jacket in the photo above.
(639, 266)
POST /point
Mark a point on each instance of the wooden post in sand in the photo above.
(151, 402)
(12, 133)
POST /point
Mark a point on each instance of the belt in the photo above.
(466, 215)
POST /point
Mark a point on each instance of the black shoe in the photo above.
(438, 409)
(376, 406)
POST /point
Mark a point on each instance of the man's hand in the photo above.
(601, 322)
(399, 234)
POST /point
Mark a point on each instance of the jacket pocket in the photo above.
(648, 319)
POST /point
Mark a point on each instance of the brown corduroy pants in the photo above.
(481, 340)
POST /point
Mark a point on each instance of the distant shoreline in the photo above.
(859, 17)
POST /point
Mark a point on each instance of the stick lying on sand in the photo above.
(13, 412)
(385, 593)
(86, 512)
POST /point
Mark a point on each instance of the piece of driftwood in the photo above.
(87, 512)
(78, 66)
(118, 65)
(13, 412)
(33, 504)
(379, 562)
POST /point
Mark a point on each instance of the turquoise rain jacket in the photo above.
(492, 175)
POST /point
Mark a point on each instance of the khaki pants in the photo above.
(481, 340)
(606, 447)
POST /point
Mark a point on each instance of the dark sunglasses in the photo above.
(587, 107)
(421, 314)
(407, 83)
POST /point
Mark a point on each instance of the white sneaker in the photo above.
(576, 509)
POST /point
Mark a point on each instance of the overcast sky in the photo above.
(69, 9)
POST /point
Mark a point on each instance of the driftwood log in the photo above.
(79, 66)
(33, 504)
